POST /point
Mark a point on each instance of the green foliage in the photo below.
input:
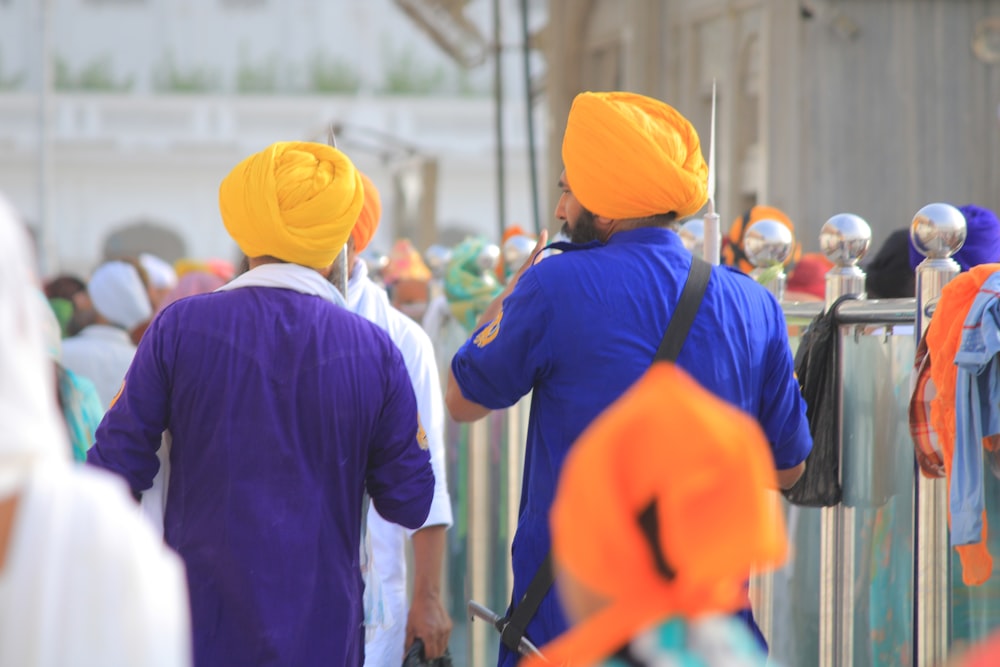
(259, 78)
(10, 81)
(405, 75)
(330, 75)
(97, 75)
(169, 78)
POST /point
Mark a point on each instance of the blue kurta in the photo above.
(581, 327)
(282, 408)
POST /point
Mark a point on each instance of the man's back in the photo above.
(581, 327)
(282, 408)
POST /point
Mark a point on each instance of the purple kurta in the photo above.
(283, 408)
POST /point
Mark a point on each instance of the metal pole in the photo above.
(498, 104)
(844, 239)
(49, 264)
(938, 231)
(529, 108)
(478, 566)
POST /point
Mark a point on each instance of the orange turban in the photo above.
(294, 200)
(630, 156)
(698, 470)
(371, 213)
(405, 263)
(732, 245)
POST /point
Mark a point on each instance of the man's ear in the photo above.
(602, 222)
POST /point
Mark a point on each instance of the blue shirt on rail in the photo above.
(283, 408)
(583, 326)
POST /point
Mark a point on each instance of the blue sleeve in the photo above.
(783, 410)
(504, 359)
(399, 478)
(965, 501)
(129, 436)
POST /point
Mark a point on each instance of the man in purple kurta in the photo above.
(283, 408)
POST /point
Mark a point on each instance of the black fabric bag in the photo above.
(816, 369)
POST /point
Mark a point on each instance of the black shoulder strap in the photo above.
(684, 313)
(670, 348)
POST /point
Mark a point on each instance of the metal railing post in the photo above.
(844, 239)
(937, 231)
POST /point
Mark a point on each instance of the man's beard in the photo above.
(584, 230)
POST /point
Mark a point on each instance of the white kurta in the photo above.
(388, 539)
(86, 582)
(102, 354)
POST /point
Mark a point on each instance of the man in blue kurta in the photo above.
(283, 407)
(578, 328)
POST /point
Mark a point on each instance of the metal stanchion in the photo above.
(767, 244)
(937, 231)
(478, 553)
(844, 239)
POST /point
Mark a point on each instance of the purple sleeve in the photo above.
(130, 433)
(400, 479)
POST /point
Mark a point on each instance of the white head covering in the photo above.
(31, 431)
(161, 275)
(118, 294)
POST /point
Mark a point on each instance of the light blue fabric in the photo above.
(81, 408)
(977, 391)
(713, 642)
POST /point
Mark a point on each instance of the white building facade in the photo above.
(152, 102)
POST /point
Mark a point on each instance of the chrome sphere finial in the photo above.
(845, 238)
(437, 258)
(488, 257)
(516, 251)
(375, 261)
(938, 230)
(692, 235)
(767, 243)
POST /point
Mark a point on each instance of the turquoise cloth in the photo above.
(469, 288)
(81, 408)
(713, 642)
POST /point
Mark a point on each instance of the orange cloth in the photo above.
(405, 263)
(368, 219)
(707, 466)
(630, 156)
(295, 200)
(944, 336)
(732, 245)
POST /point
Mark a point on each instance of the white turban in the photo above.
(161, 275)
(119, 296)
(31, 429)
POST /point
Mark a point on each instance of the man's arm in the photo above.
(460, 408)
(428, 618)
(788, 477)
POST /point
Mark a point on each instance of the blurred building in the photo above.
(149, 103)
(873, 107)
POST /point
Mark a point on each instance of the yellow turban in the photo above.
(296, 201)
(371, 212)
(630, 156)
(662, 509)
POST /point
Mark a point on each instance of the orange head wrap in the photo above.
(630, 156)
(703, 466)
(405, 263)
(732, 245)
(368, 219)
(294, 200)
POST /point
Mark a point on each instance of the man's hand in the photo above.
(491, 311)
(427, 618)
(429, 621)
